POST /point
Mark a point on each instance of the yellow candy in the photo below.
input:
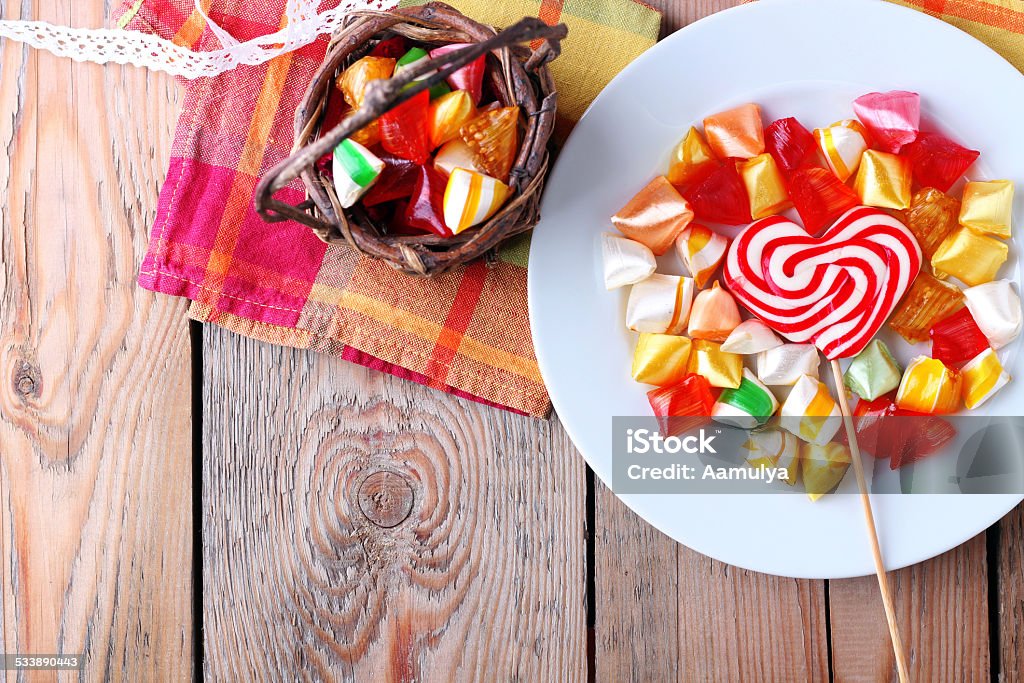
(988, 206)
(354, 79)
(810, 412)
(660, 359)
(823, 467)
(701, 249)
(969, 256)
(928, 386)
(471, 198)
(883, 180)
(983, 376)
(448, 113)
(691, 157)
(721, 369)
(765, 187)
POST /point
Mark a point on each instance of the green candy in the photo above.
(414, 55)
(873, 372)
(747, 406)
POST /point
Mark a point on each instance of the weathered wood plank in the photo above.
(95, 385)
(1011, 595)
(359, 527)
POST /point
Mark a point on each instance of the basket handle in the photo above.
(385, 94)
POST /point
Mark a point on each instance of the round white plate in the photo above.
(803, 58)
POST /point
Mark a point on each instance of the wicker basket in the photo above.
(517, 76)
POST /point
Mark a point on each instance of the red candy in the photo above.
(396, 181)
(392, 47)
(892, 118)
(791, 145)
(404, 131)
(721, 197)
(957, 339)
(819, 197)
(426, 205)
(938, 161)
(682, 406)
(469, 77)
(886, 431)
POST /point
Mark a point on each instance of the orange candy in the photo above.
(353, 80)
(655, 216)
(736, 133)
(927, 301)
(448, 113)
(494, 138)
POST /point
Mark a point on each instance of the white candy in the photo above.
(810, 412)
(996, 308)
(625, 262)
(752, 336)
(784, 365)
(842, 147)
(661, 303)
(348, 187)
(774, 448)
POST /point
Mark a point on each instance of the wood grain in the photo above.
(484, 579)
(1010, 594)
(95, 426)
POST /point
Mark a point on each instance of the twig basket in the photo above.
(517, 76)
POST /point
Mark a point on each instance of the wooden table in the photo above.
(350, 526)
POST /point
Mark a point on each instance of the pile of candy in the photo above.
(881, 240)
(438, 163)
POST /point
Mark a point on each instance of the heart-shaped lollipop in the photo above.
(835, 290)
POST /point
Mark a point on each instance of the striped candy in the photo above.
(982, 377)
(747, 406)
(928, 386)
(835, 290)
(661, 303)
(701, 249)
(355, 170)
(471, 198)
(842, 145)
(810, 412)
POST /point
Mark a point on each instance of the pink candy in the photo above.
(893, 118)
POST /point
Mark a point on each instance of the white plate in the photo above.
(803, 58)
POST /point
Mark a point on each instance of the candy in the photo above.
(355, 170)
(721, 197)
(713, 315)
(892, 118)
(819, 197)
(766, 190)
(938, 161)
(397, 180)
(790, 144)
(691, 160)
(455, 154)
(353, 80)
(988, 206)
(470, 77)
(835, 290)
(983, 376)
(660, 359)
(996, 309)
(873, 372)
(736, 133)
(970, 257)
(929, 387)
(927, 302)
(822, 468)
(747, 406)
(681, 407)
(426, 209)
(701, 249)
(625, 262)
(931, 217)
(957, 338)
(721, 369)
(784, 365)
(448, 113)
(415, 56)
(661, 303)
(775, 448)
(368, 135)
(810, 413)
(751, 336)
(494, 138)
(883, 180)
(842, 144)
(403, 129)
(655, 216)
(393, 47)
(902, 435)
(471, 198)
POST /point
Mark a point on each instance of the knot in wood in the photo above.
(27, 380)
(386, 498)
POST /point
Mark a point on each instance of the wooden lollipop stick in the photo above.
(869, 519)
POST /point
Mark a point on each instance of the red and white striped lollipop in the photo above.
(835, 290)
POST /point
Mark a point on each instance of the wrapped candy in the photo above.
(822, 467)
(691, 160)
(969, 256)
(682, 406)
(790, 144)
(721, 369)
(996, 309)
(469, 78)
(426, 209)
(766, 189)
(397, 180)
(775, 448)
(471, 198)
(403, 129)
(751, 336)
(736, 133)
(810, 412)
(655, 216)
(905, 436)
(721, 197)
(625, 262)
(355, 170)
(938, 161)
(661, 303)
(929, 387)
(982, 377)
(820, 197)
(368, 135)
(448, 113)
(883, 180)
(353, 80)
(873, 372)
(713, 315)
(988, 206)
(701, 249)
(455, 154)
(493, 135)
(415, 56)
(892, 118)
(927, 302)
(931, 217)
(784, 365)
(957, 338)
(746, 406)
(660, 359)
(842, 144)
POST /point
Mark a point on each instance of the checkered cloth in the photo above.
(466, 332)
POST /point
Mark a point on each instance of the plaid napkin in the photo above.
(997, 23)
(466, 332)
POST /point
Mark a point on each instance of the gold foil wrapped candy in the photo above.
(691, 159)
(655, 216)
(766, 188)
(970, 257)
(736, 133)
(714, 315)
(661, 303)
(823, 467)
(883, 180)
(701, 249)
(721, 369)
(988, 207)
(625, 262)
(660, 359)
(927, 302)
